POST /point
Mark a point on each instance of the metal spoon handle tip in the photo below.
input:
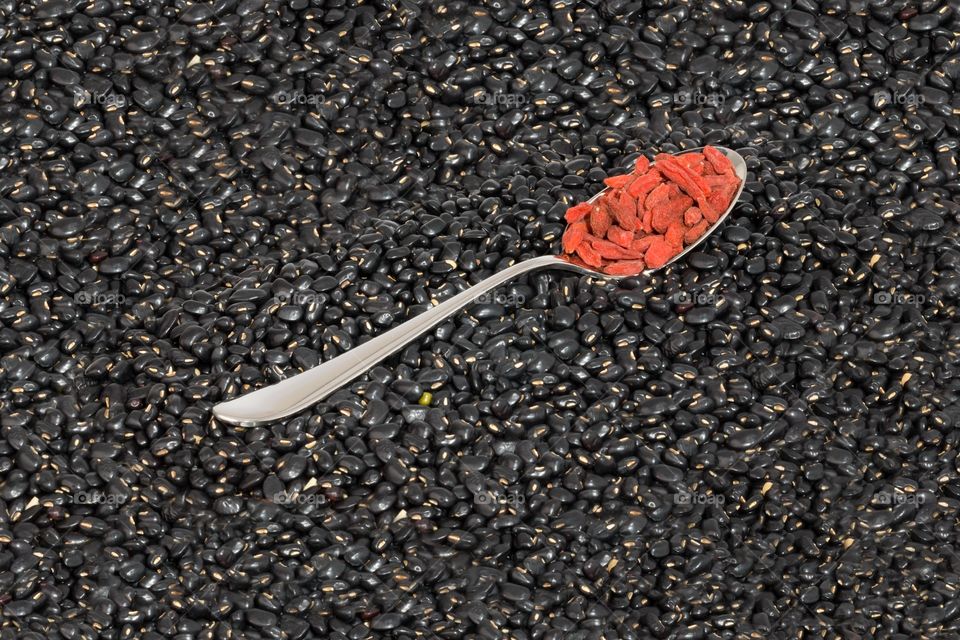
(294, 394)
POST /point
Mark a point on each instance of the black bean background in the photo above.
(199, 199)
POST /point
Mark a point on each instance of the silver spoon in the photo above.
(294, 394)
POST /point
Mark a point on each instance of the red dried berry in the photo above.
(692, 216)
(589, 255)
(576, 260)
(715, 182)
(728, 191)
(600, 220)
(670, 212)
(719, 199)
(646, 223)
(718, 160)
(573, 236)
(609, 250)
(713, 208)
(643, 164)
(639, 188)
(693, 162)
(615, 182)
(695, 231)
(624, 210)
(674, 235)
(640, 245)
(674, 170)
(620, 236)
(578, 212)
(625, 268)
(659, 253)
(657, 197)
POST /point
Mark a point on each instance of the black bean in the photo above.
(386, 621)
(142, 42)
(261, 618)
(291, 466)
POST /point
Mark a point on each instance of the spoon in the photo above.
(296, 393)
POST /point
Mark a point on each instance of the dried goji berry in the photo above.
(610, 250)
(578, 212)
(693, 162)
(658, 196)
(714, 182)
(573, 236)
(620, 236)
(711, 212)
(643, 185)
(640, 245)
(674, 170)
(716, 204)
(674, 235)
(659, 221)
(718, 160)
(695, 231)
(575, 259)
(589, 255)
(625, 267)
(624, 210)
(692, 216)
(615, 182)
(646, 223)
(600, 220)
(727, 192)
(669, 212)
(659, 253)
(643, 163)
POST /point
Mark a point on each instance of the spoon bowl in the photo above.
(298, 392)
(739, 168)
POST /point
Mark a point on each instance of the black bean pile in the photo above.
(200, 199)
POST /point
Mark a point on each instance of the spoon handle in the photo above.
(304, 389)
